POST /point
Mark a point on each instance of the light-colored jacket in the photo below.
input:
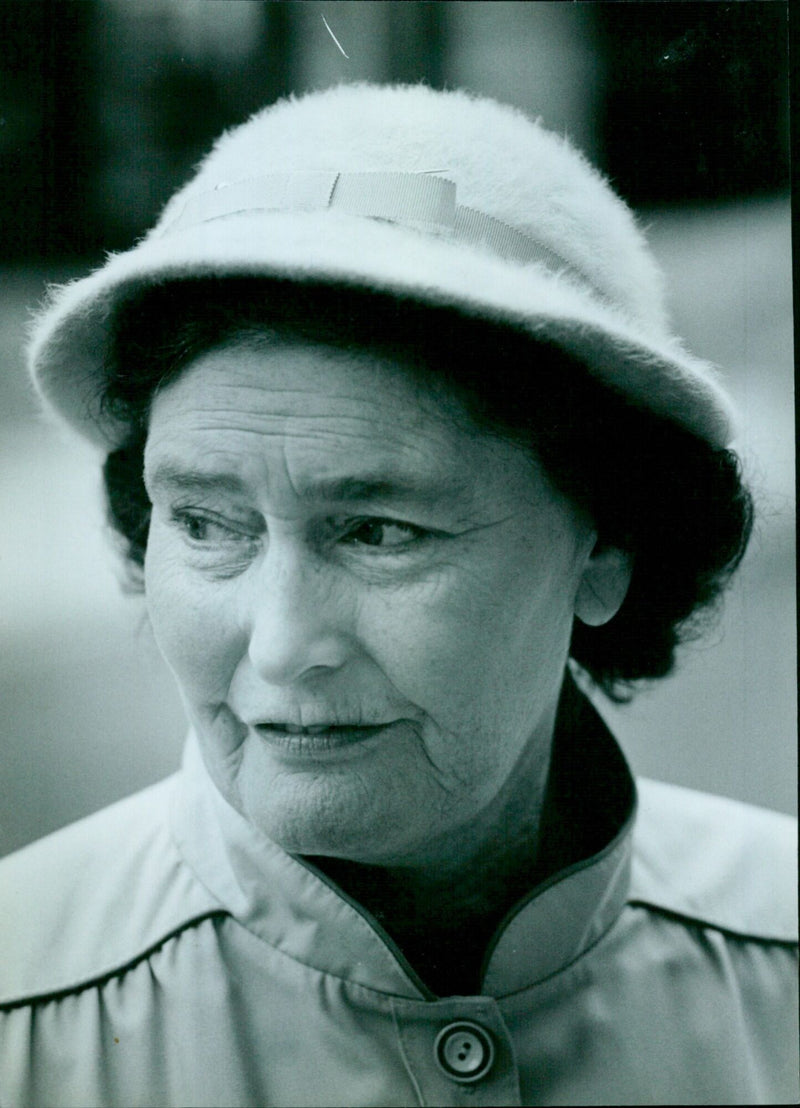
(163, 952)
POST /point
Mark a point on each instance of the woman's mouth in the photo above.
(294, 729)
(319, 738)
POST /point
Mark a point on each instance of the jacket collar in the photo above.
(291, 906)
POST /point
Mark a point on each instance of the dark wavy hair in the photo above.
(675, 504)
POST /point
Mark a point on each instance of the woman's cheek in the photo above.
(423, 637)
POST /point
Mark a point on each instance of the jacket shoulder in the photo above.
(93, 898)
(715, 861)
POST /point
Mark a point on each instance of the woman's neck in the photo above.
(444, 913)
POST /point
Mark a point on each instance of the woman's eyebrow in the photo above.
(173, 476)
(169, 475)
(382, 486)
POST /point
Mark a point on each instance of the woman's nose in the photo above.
(298, 621)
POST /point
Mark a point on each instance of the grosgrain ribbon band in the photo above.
(423, 201)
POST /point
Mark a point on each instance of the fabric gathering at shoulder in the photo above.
(716, 862)
(94, 898)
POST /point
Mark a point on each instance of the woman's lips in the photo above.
(295, 729)
(321, 738)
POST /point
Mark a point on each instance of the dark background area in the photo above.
(105, 106)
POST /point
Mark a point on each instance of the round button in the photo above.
(464, 1051)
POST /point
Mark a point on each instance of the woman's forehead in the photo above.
(301, 375)
(341, 423)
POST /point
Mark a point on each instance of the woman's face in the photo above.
(366, 601)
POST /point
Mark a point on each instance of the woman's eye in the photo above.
(381, 533)
(199, 528)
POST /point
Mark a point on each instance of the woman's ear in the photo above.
(603, 585)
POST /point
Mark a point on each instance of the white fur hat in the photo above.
(439, 196)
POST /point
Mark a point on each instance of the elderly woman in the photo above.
(394, 428)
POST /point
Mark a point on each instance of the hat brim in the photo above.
(68, 352)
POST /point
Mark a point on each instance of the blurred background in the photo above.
(105, 106)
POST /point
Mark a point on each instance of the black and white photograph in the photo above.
(397, 467)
